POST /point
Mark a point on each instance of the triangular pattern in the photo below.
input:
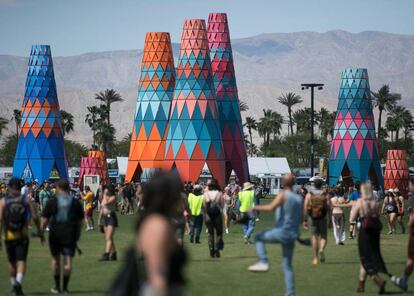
(396, 173)
(194, 134)
(155, 92)
(94, 164)
(354, 143)
(40, 146)
(231, 125)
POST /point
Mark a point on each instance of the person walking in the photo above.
(367, 209)
(195, 204)
(400, 209)
(16, 212)
(338, 217)
(288, 208)
(316, 207)
(228, 206)
(64, 215)
(247, 219)
(44, 195)
(390, 209)
(162, 257)
(213, 207)
(402, 282)
(88, 198)
(109, 221)
(353, 196)
(258, 195)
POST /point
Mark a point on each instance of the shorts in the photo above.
(110, 220)
(226, 209)
(319, 227)
(57, 248)
(88, 213)
(17, 250)
(400, 213)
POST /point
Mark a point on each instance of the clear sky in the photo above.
(79, 26)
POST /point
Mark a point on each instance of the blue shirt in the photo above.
(355, 195)
(289, 215)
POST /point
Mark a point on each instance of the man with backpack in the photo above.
(16, 211)
(64, 216)
(316, 206)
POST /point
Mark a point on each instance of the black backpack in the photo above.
(15, 213)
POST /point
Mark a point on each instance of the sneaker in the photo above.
(197, 240)
(390, 232)
(322, 256)
(114, 256)
(212, 253)
(315, 261)
(47, 229)
(191, 239)
(55, 290)
(227, 231)
(341, 243)
(18, 290)
(257, 219)
(105, 257)
(259, 267)
(66, 291)
(87, 228)
(400, 283)
(217, 254)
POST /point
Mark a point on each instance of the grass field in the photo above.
(224, 276)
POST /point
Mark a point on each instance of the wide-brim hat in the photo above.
(247, 185)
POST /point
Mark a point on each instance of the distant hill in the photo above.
(266, 66)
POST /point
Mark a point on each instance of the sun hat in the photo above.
(247, 185)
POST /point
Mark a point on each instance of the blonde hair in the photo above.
(366, 191)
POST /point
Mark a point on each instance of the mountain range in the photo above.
(267, 65)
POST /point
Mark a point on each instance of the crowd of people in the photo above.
(169, 211)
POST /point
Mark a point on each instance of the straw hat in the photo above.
(247, 185)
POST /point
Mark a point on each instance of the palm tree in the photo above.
(396, 121)
(17, 117)
(408, 119)
(105, 135)
(251, 125)
(326, 120)
(67, 122)
(302, 119)
(108, 97)
(3, 124)
(384, 101)
(270, 123)
(277, 123)
(93, 118)
(243, 106)
(289, 100)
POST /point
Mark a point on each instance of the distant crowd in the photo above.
(168, 211)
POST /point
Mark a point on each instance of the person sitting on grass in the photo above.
(288, 208)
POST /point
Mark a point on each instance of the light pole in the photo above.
(312, 140)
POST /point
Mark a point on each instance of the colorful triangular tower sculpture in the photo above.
(354, 148)
(396, 173)
(155, 93)
(40, 152)
(227, 98)
(194, 135)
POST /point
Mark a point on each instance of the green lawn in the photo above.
(224, 276)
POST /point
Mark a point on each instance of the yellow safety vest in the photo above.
(246, 198)
(195, 203)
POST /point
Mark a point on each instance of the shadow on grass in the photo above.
(77, 292)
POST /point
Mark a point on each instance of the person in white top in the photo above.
(338, 217)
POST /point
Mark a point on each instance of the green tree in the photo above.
(396, 121)
(3, 124)
(289, 100)
(74, 152)
(67, 122)
(243, 106)
(17, 117)
(108, 97)
(251, 125)
(93, 118)
(105, 136)
(326, 121)
(302, 119)
(384, 100)
(8, 150)
(270, 124)
(121, 148)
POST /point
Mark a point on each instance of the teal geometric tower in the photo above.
(227, 98)
(40, 152)
(194, 135)
(354, 148)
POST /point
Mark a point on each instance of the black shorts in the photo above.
(17, 250)
(110, 219)
(57, 248)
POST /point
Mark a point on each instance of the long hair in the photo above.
(161, 196)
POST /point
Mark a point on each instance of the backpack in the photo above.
(15, 213)
(317, 208)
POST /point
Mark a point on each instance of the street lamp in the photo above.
(312, 140)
